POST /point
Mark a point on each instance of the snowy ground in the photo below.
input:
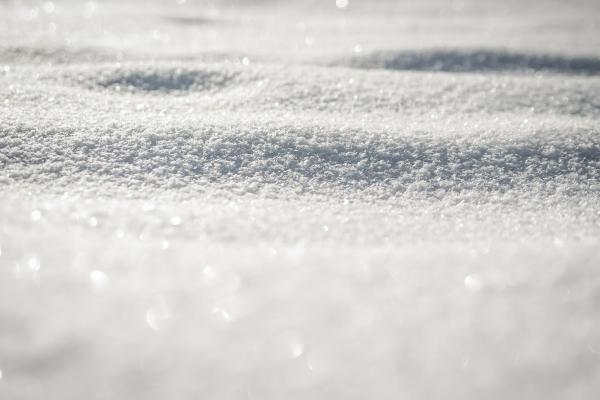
(298, 200)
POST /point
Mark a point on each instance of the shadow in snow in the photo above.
(165, 80)
(193, 21)
(475, 61)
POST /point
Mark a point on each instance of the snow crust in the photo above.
(266, 200)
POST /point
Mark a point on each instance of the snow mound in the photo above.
(301, 91)
(309, 157)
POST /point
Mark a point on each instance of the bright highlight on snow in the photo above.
(473, 283)
(36, 215)
(341, 3)
(159, 314)
(98, 280)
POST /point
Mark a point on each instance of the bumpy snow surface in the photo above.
(299, 199)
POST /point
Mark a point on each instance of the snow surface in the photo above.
(299, 200)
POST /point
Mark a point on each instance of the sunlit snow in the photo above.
(299, 199)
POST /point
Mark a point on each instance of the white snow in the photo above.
(308, 199)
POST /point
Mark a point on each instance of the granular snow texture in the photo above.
(299, 200)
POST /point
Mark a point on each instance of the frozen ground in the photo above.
(298, 200)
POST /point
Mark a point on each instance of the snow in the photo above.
(265, 200)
